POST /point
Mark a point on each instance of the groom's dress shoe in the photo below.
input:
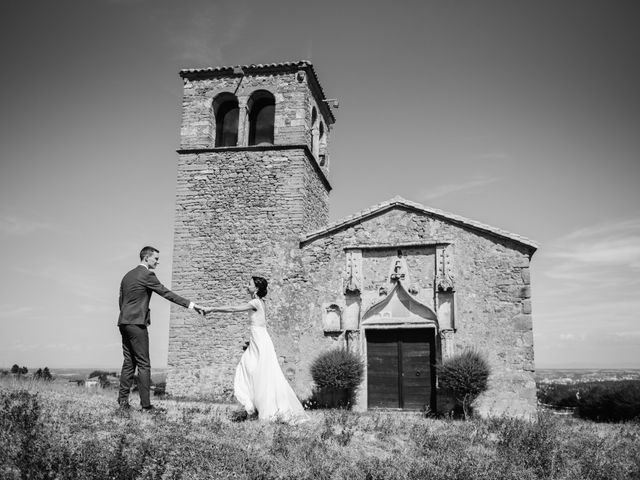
(124, 406)
(154, 410)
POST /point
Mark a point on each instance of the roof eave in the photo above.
(223, 71)
(399, 202)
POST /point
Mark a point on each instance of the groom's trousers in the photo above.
(135, 348)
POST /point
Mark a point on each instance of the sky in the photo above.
(524, 115)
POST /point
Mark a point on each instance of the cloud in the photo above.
(495, 156)
(73, 279)
(14, 225)
(597, 349)
(611, 229)
(93, 309)
(14, 312)
(603, 306)
(604, 255)
(447, 189)
(599, 337)
(587, 295)
(572, 336)
(608, 244)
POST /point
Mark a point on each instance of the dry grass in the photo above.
(49, 430)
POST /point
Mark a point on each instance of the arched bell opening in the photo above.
(225, 112)
(314, 132)
(261, 106)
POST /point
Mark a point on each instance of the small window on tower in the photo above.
(225, 112)
(322, 147)
(314, 132)
(262, 108)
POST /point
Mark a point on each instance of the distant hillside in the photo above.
(568, 376)
(158, 375)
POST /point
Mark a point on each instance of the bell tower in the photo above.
(252, 178)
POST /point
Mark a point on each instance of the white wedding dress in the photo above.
(259, 384)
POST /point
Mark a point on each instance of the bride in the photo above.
(259, 384)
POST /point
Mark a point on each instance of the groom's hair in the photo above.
(147, 251)
(261, 285)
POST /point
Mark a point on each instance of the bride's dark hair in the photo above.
(261, 285)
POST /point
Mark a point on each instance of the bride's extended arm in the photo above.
(245, 307)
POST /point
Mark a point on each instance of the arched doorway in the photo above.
(400, 341)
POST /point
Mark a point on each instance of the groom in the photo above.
(135, 292)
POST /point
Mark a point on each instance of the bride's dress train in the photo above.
(259, 384)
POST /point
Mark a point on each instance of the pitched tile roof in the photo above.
(401, 202)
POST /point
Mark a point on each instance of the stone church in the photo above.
(403, 285)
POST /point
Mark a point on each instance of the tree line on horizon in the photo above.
(40, 374)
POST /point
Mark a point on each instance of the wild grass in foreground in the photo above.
(66, 433)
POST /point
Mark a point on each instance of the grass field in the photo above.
(51, 430)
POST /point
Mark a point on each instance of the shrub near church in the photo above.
(467, 376)
(337, 374)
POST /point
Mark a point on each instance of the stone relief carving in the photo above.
(448, 349)
(400, 273)
(444, 275)
(331, 318)
(397, 273)
(353, 282)
(351, 314)
(399, 270)
(446, 310)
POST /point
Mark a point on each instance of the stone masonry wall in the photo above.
(239, 212)
(492, 294)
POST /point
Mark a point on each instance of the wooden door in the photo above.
(400, 371)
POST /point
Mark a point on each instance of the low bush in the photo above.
(607, 401)
(466, 375)
(337, 369)
(558, 395)
(19, 417)
(337, 374)
(610, 401)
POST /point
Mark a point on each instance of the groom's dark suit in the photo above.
(135, 292)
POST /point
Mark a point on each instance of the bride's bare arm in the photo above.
(245, 307)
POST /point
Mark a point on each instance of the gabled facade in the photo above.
(411, 286)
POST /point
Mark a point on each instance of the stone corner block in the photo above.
(523, 322)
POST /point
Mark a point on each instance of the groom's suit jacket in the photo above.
(135, 292)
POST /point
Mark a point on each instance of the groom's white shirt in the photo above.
(191, 304)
